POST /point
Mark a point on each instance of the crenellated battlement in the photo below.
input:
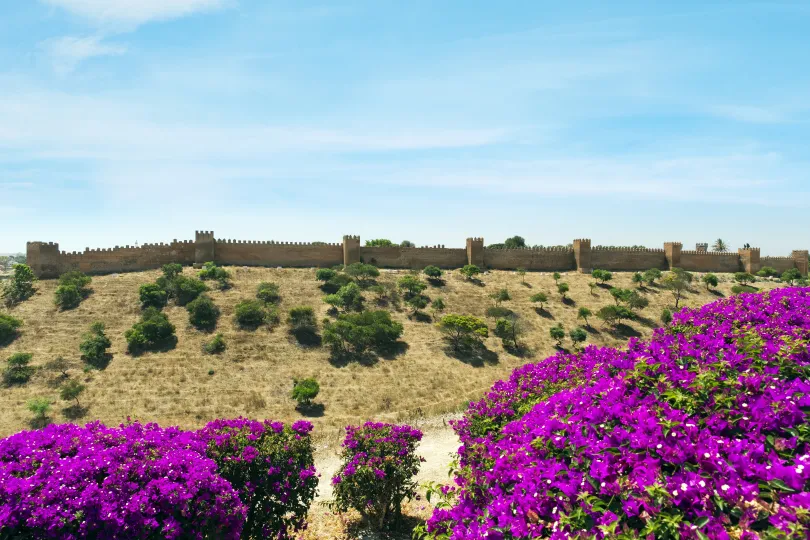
(47, 260)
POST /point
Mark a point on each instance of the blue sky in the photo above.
(625, 122)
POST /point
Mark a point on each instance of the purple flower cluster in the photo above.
(702, 432)
(231, 478)
(135, 481)
(272, 468)
(379, 463)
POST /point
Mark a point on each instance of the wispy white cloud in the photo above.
(133, 13)
(67, 52)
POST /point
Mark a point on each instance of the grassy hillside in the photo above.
(253, 377)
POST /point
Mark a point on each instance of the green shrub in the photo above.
(379, 242)
(677, 281)
(614, 314)
(72, 390)
(304, 391)
(497, 312)
(325, 274)
(583, 314)
(202, 312)
(215, 346)
(556, 276)
(363, 273)
(152, 331)
(59, 365)
(666, 316)
(557, 333)
(792, 275)
(767, 272)
(737, 289)
(18, 371)
(602, 275)
(437, 306)
(74, 277)
(72, 289)
(563, 288)
(407, 244)
(434, 273)
(417, 302)
(578, 335)
(411, 286)
(152, 295)
(509, 330)
(39, 407)
(638, 279)
(250, 314)
(21, 285)
(303, 324)
(172, 270)
(9, 327)
(710, 280)
(268, 292)
(463, 331)
(743, 278)
(210, 271)
(501, 295)
(353, 334)
(514, 242)
(539, 298)
(185, 289)
(347, 298)
(94, 345)
(629, 297)
(651, 275)
(469, 271)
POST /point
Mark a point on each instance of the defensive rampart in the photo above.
(47, 260)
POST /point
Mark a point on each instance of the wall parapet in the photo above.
(47, 260)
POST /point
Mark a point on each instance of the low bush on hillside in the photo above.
(9, 328)
(184, 289)
(18, 370)
(767, 272)
(463, 331)
(215, 346)
(268, 292)
(72, 289)
(699, 433)
(434, 274)
(20, 287)
(363, 273)
(602, 276)
(203, 313)
(153, 331)
(152, 295)
(470, 271)
(304, 391)
(211, 272)
(251, 314)
(348, 298)
(232, 479)
(94, 346)
(378, 470)
(737, 289)
(354, 334)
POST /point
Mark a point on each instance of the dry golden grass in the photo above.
(254, 375)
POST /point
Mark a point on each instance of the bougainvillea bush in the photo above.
(272, 468)
(228, 480)
(702, 432)
(379, 465)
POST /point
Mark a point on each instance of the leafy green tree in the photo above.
(583, 314)
(767, 272)
(407, 244)
(592, 287)
(40, 407)
(268, 292)
(613, 314)
(556, 276)
(411, 286)
(522, 273)
(18, 370)
(434, 273)
(21, 285)
(619, 294)
(557, 333)
(185, 289)
(363, 273)
(638, 279)
(302, 319)
(651, 275)
(172, 270)
(9, 327)
(666, 316)
(379, 242)
(210, 271)
(743, 278)
(719, 245)
(250, 314)
(509, 330)
(72, 390)
(417, 302)
(469, 271)
(152, 295)
(347, 298)
(94, 345)
(602, 275)
(215, 346)
(563, 288)
(463, 331)
(59, 365)
(203, 313)
(152, 331)
(304, 391)
(539, 298)
(515, 242)
(578, 335)
(501, 295)
(437, 306)
(678, 282)
(72, 289)
(710, 280)
(636, 301)
(324, 274)
(353, 334)
(791, 275)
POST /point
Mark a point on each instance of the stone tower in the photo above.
(204, 248)
(582, 254)
(43, 258)
(351, 249)
(475, 251)
(672, 251)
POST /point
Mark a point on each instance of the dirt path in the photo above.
(438, 446)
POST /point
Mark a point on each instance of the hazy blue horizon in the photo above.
(624, 122)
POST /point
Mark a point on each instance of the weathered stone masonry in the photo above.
(47, 261)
